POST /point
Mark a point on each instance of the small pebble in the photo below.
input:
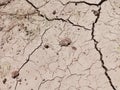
(15, 74)
(46, 46)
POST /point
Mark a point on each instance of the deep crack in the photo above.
(92, 34)
(99, 51)
(55, 19)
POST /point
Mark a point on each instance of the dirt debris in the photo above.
(65, 42)
(14, 74)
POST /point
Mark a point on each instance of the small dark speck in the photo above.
(75, 4)
(35, 78)
(1, 28)
(57, 53)
(4, 80)
(25, 79)
(19, 80)
(54, 12)
(74, 48)
(19, 29)
(46, 46)
(41, 15)
(9, 1)
(25, 28)
(26, 83)
(25, 16)
(43, 79)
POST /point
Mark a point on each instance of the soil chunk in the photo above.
(65, 42)
(15, 74)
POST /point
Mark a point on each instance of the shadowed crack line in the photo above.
(99, 51)
(83, 2)
(77, 25)
(92, 34)
(16, 85)
(55, 19)
(32, 5)
(5, 3)
(32, 53)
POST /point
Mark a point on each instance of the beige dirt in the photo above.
(59, 44)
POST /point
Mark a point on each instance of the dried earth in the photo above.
(59, 45)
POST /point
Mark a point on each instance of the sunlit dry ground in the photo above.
(59, 45)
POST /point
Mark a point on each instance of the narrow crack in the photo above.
(28, 59)
(92, 34)
(44, 81)
(98, 50)
(33, 5)
(16, 85)
(55, 19)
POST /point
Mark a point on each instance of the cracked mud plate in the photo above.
(59, 44)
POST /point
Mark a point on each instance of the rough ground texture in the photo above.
(59, 45)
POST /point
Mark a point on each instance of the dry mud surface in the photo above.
(59, 45)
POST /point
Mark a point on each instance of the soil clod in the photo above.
(65, 42)
(15, 74)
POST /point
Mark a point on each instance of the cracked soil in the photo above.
(59, 44)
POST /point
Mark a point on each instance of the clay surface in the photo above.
(59, 44)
